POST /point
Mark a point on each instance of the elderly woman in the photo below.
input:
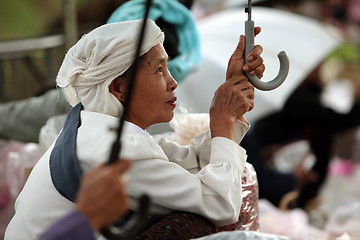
(203, 178)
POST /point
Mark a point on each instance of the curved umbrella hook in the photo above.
(133, 226)
(136, 222)
(284, 61)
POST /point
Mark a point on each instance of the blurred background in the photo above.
(33, 34)
(321, 37)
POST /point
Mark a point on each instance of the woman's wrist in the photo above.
(223, 127)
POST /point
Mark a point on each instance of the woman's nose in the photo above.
(172, 83)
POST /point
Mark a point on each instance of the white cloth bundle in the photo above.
(98, 58)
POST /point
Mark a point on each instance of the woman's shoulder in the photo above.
(99, 131)
(137, 145)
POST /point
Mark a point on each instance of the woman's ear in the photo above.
(117, 88)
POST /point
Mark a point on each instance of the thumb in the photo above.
(236, 61)
(120, 166)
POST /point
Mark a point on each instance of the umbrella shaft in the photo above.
(249, 35)
(248, 9)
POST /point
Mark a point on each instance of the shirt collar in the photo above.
(138, 129)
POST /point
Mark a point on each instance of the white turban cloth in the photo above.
(98, 58)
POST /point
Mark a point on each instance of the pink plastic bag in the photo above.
(249, 213)
(15, 158)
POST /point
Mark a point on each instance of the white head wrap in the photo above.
(98, 58)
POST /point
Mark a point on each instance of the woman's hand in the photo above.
(235, 97)
(237, 64)
(255, 64)
(231, 101)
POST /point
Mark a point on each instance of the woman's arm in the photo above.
(213, 192)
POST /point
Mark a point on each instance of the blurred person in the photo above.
(22, 120)
(345, 15)
(97, 204)
(303, 117)
(203, 178)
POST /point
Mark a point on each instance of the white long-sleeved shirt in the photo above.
(204, 177)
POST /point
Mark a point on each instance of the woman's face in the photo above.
(153, 98)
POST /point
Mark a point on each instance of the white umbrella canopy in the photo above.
(306, 41)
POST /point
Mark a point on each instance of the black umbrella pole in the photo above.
(116, 146)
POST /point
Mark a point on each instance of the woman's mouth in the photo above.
(172, 101)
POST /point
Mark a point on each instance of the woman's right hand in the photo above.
(233, 98)
(231, 101)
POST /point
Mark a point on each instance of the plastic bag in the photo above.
(17, 159)
(243, 235)
(249, 213)
(292, 223)
(6, 147)
(345, 219)
(188, 125)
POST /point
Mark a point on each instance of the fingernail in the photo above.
(250, 58)
(246, 68)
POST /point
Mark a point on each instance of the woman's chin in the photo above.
(168, 118)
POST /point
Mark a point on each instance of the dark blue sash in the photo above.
(65, 170)
(64, 167)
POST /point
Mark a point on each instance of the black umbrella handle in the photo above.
(137, 221)
(133, 226)
(284, 61)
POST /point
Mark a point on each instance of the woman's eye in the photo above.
(159, 69)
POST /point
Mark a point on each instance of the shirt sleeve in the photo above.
(202, 178)
(73, 226)
(197, 155)
(182, 183)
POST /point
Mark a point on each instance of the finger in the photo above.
(121, 166)
(244, 108)
(248, 101)
(237, 80)
(255, 63)
(246, 85)
(259, 71)
(247, 89)
(245, 94)
(257, 30)
(240, 48)
(236, 61)
(255, 53)
(117, 190)
(248, 93)
(91, 178)
(256, 67)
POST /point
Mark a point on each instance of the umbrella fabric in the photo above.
(306, 41)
